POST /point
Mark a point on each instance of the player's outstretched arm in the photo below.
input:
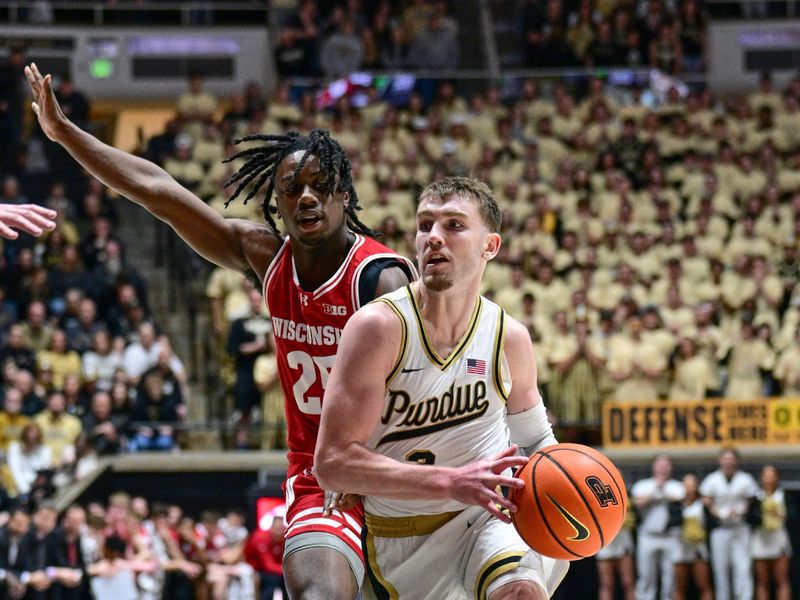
(29, 218)
(353, 407)
(232, 243)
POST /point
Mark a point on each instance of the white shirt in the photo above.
(730, 498)
(655, 515)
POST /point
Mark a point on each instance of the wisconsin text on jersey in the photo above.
(316, 335)
(456, 406)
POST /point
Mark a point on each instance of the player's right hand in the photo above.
(339, 501)
(44, 104)
(479, 482)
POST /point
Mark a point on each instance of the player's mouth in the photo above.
(309, 221)
(434, 258)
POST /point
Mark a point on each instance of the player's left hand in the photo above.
(29, 218)
(339, 501)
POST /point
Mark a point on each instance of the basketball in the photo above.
(573, 502)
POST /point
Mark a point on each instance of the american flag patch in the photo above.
(476, 366)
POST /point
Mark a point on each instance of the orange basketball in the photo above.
(573, 502)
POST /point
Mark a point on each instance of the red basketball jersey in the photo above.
(307, 326)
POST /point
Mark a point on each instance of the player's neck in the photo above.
(446, 314)
(316, 264)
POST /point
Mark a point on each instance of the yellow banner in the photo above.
(704, 423)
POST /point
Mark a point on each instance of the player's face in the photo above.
(453, 243)
(310, 207)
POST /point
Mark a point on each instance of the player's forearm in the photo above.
(357, 469)
(137, 179)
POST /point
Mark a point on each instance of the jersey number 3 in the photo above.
(309, 367)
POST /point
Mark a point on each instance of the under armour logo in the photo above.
(304, 299)
(603, 492)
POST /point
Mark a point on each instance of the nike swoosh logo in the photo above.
(581, 531)
(411, 370)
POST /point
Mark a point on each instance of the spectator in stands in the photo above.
(692, 375)
(436, 46)
(141, 354)
(603, 52)
(296, 52)
(691, 562)
(81, 331)
(727, 492)
(154, 415)
(692, 28)
(182, 165)
(576, 360)
(12, 111)
(750, 360)
(67, 273)
(59, 430)
(197, 106)
(59, 359)
(246, 341)
(32, 402)
(264, 552)
(12, 552)
(70, 550)
(635, 364)
(93, 246)
(74, 103)
(265, 375)
(12, 421)
(16, 351)
(100, 425)
(666, 53)
(342, 51)
(101, 363)
(36, 332)
(26, 458)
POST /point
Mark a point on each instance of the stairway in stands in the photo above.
(143, 236)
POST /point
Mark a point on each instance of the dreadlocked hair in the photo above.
(261, 164)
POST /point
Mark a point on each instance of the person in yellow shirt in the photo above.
(787, 369)
(59, 429)
(265, 374)
(635, 365)
(693, 375)
(59, 359)
(749, 357)
(11, 418)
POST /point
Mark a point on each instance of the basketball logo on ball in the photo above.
(573, 502)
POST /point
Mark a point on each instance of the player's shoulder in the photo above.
(259, 242)
(515, 333)
(377, 320)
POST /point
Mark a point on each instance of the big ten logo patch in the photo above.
(334, 309)
(603, 492)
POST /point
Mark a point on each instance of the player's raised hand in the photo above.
(29, 218)
(478, 482)
(44, 104)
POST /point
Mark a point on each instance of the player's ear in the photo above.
(346, 199)
(491, 246)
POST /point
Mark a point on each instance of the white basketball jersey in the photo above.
(442, 411)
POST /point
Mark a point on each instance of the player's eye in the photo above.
(424, 226)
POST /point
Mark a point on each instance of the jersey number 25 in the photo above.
(309, 367)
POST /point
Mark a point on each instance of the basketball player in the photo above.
(419, 411)
(727, 493)
(29, 218)
(314, 279)
(657, 544)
